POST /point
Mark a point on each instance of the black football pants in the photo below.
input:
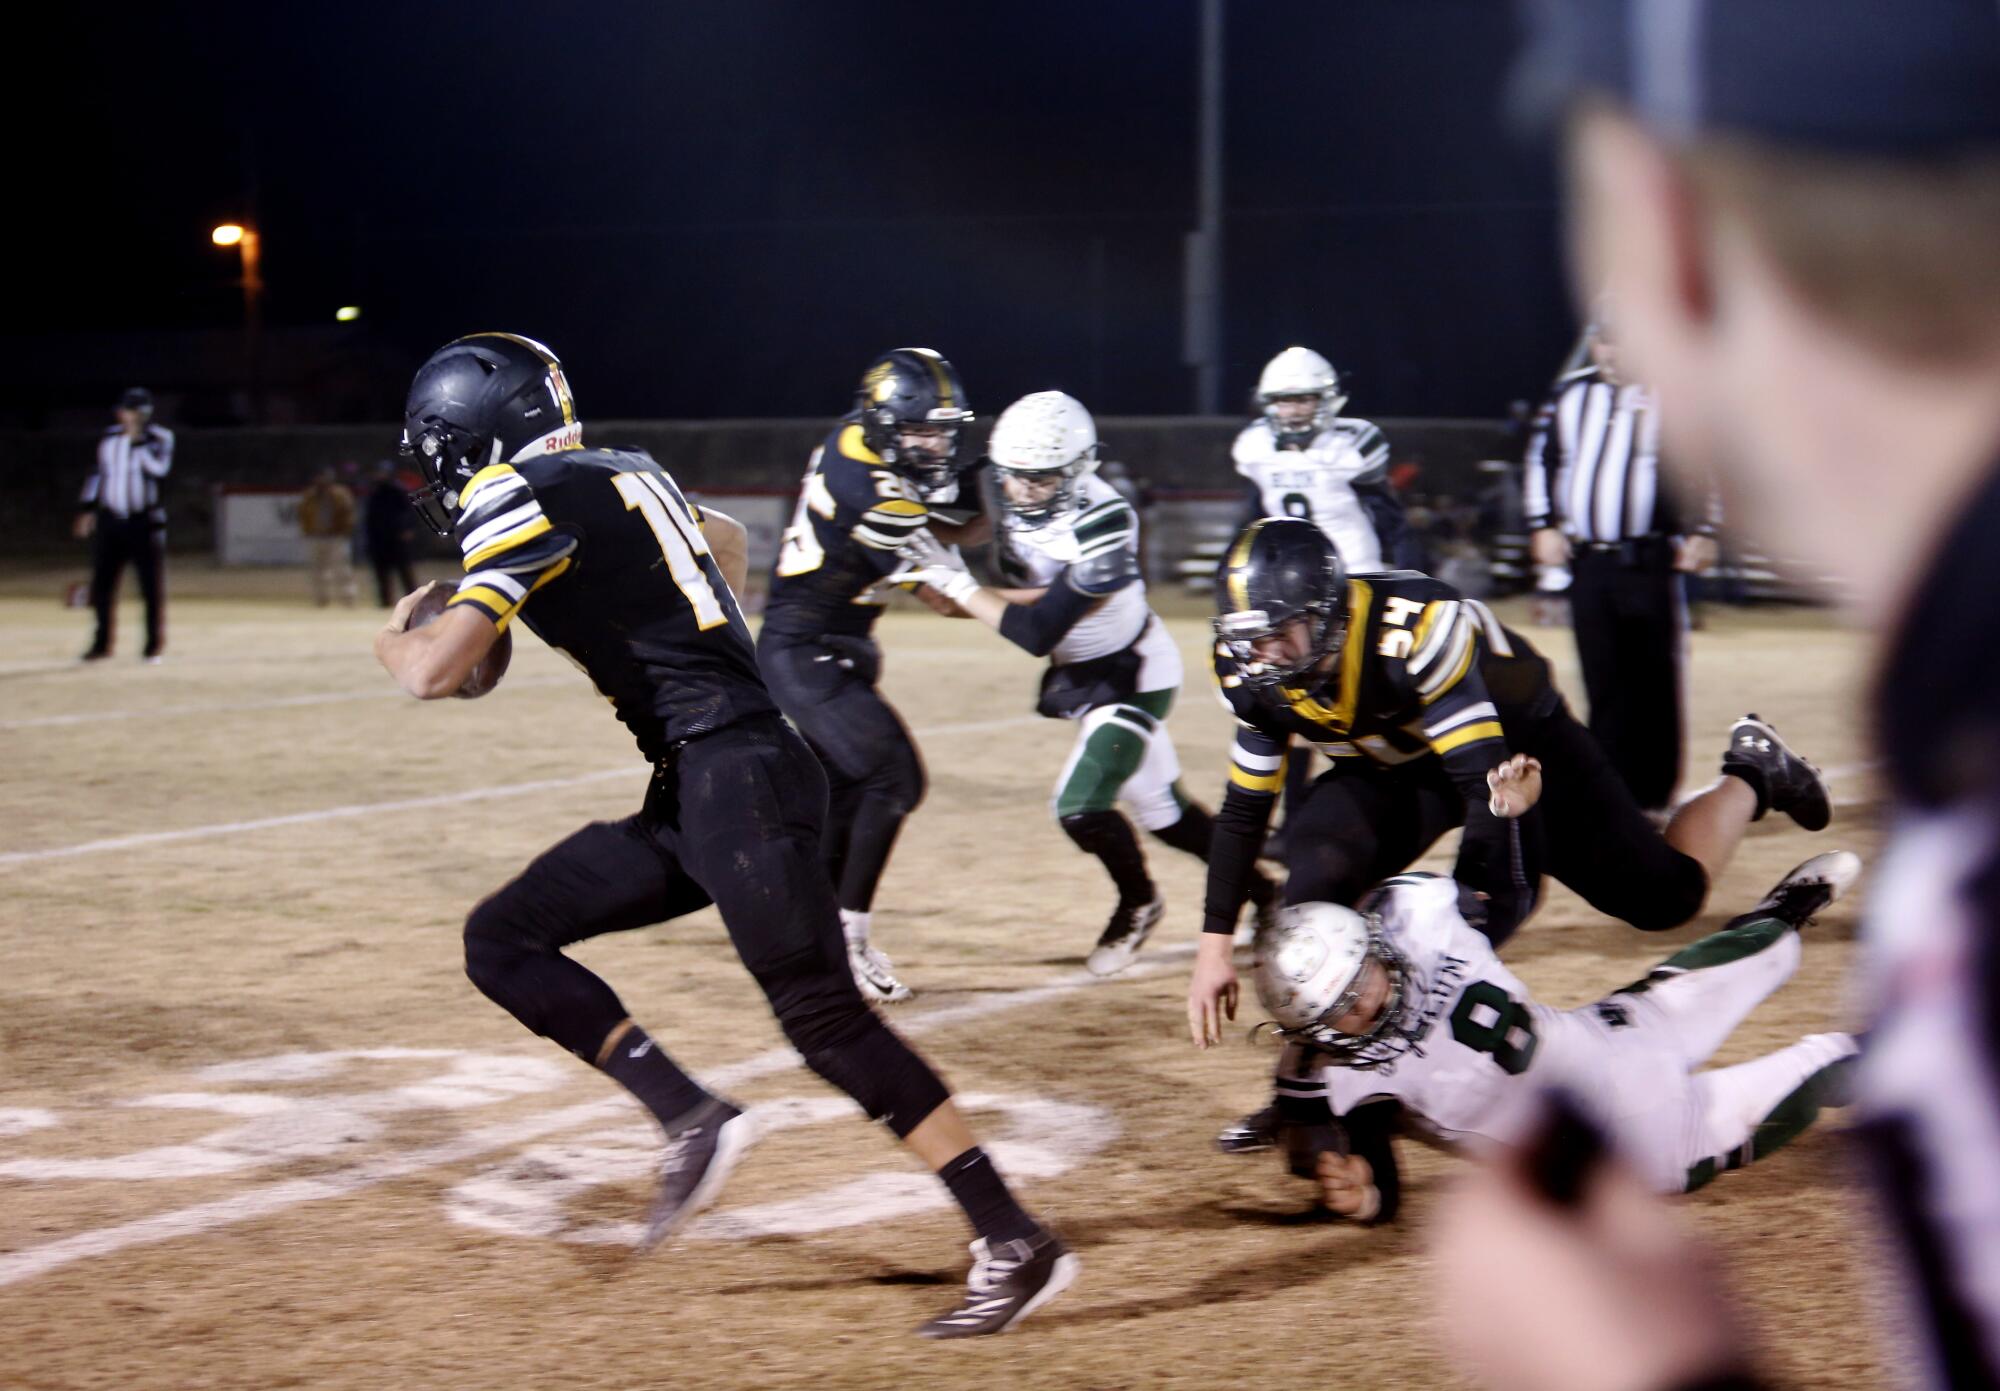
(1628, 606)
(115, 543)
(735, 821)
(1362, 822)
(875, 777)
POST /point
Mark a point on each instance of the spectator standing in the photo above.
(121, 515)
(326, 516)
(1596, 502)
(388, 530)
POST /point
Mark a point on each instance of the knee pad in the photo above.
(854, 1050)
(898, 780)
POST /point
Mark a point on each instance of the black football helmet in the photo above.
(1278, 570)
(906, 387)
(489, 398)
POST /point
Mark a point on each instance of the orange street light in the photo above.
(228, 234)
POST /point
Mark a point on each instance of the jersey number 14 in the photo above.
(680, 538)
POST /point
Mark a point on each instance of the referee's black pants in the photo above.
(1628, 606)
(115, 543)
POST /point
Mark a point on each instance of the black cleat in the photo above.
(1122, 937)
(1783, 781)
(1810, 887)
(1253, 1134)
(95, 654)
(698, 1160)
(1008, 1282)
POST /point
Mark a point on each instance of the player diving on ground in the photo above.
(1398, 1015)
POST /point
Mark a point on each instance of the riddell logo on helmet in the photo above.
(556, 442)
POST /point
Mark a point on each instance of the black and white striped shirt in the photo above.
(127, 481)
(1593, 465)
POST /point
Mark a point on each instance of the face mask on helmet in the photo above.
(1324, 968)
(1298, 416)
(1279, 650)
(925, 453)
(438, 451)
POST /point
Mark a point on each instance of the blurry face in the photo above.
(1287, 647)
(1372, 999)
(1030, 490)
(1295, 412)
(924, 441)
(1605, 354)
(133, 419)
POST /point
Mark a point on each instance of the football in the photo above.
(492, 666)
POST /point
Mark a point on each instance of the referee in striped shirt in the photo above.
(121, 515)
(1596, 502)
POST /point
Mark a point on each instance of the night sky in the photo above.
(726, 209)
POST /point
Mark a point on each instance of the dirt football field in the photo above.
(257, 1130)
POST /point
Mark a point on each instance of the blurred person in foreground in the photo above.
(1797, 211)
(388, 532)
(326, 519)
(121, 515)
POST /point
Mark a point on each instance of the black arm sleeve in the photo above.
(1036, 628)
(1233, 848)
(1370, 1131)
(1392, 529)
(1253, 507)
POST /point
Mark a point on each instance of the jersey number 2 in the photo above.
(681, 541)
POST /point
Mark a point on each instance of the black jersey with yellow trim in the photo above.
(598, 553)
(1421, 671)
(854, 515)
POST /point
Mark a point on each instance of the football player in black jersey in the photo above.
(1419, 695)
(597, 552)
(887, 471)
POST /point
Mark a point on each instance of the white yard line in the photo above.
(265, 1200)
(383, 692)
(213, 831)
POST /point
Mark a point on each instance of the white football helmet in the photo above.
(1299, 372)
(1042, 447)
(1309, 973)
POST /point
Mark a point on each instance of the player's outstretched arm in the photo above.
(1212, 989)
(433, 661)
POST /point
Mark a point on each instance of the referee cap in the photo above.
(1897, 79)
(135, 398)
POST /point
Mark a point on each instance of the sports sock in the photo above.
(642, 1067)
(854, 926)
(989, 1206)
(1108, 835)
(1191, 833)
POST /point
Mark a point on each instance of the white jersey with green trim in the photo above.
(1479, 1049)
(1037, 558)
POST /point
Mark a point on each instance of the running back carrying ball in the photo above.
(431, 601)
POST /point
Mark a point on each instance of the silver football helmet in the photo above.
(1310, 972)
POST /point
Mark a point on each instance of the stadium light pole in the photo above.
(1201, 339)
(250, 248)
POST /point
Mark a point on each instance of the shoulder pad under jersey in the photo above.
(1107, 572)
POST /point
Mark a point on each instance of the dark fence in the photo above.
(42, 471)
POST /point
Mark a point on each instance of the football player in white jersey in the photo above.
(1303, 458)
(1071, 545)
(1397, 1011)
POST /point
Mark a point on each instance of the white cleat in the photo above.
(875, 976)
(1811, 886)
(1123, 936)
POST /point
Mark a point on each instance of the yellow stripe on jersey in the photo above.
(1425, 624)
(498, 606)
(1464, 665)
(1339, 717)
(527, 531)
(900, 507)
(1257, 782)
(855, 446)
(492, 602)
(1468, 734)
(479, 480)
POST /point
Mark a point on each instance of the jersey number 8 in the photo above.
(1495, 1034)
